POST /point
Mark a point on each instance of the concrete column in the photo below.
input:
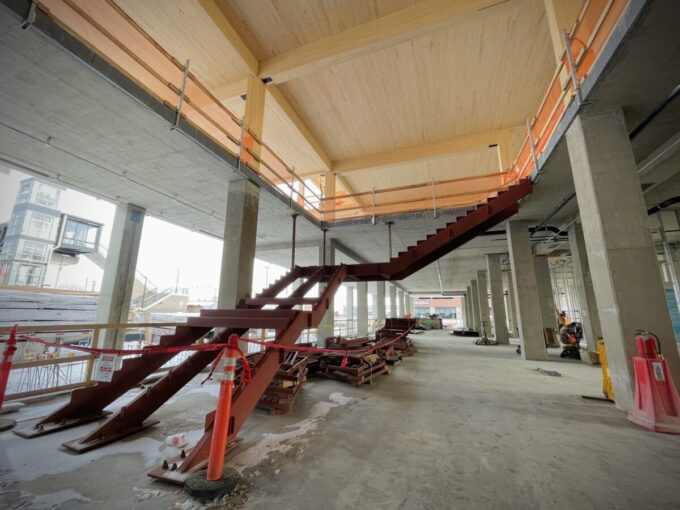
(238, 247)
(584, 286)
(621, 252)
(408, 303)
(529, 320)
(349, 306)
(512, 307)
(470, 321)
(483, 296)
(401, 299)
(475, 306)
(545, 294)
(393, 301)
(327, 326)
(468, 312)
(238, 250)
(119, 273)
(380, 304)
(362, 308)
(493, 263)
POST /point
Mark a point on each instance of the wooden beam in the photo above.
(238, 88)
(561, 15)
(253, 118)
(358, 200)
(276, 95)
(465, 143)
(375, 35)
(222, 22)
(231, 90)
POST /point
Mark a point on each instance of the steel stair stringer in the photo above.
(88, 404)
(132, 418)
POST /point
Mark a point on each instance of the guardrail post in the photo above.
(532, 145)
(5, 367)
(292, 254)
(180, 97)
(572, 67)
(434, 201)
(373, 204)
(6, 364)
(90, 364)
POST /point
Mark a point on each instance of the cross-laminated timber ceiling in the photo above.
(484, 73)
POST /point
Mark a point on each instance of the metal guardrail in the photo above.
(40, 370)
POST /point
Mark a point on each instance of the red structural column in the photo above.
(6, 365)
(218, 445)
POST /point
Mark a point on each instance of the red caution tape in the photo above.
(232, 343)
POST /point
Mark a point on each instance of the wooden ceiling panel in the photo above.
(185, 30)
(480, 75)
(272, 27)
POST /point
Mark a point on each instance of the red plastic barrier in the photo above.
(657, 404)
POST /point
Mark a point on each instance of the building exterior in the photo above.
(444, 307)
(36, 230)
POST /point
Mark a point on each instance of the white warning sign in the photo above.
(104, 367)
(657, 367)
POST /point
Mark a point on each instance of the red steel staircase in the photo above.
(287, 318)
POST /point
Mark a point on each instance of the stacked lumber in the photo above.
(395, 328)
(280, 395)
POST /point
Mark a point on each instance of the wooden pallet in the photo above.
(280, 395)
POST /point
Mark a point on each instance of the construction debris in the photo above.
(551, 373)
(465, 332)
(485, 341)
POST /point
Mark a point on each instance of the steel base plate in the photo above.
(38, 429)
(77, 447)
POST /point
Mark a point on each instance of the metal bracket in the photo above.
(240, 147)
(434, 201)
(30, 17)
(180, 98)
(373, 217)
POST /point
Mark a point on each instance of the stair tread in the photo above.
(247, 312)
(281, 301)
(240, 322)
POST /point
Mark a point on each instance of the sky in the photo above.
(165, 249)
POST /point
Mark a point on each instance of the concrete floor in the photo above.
(455, 426)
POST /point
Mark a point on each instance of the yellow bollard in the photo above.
(607, 389)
